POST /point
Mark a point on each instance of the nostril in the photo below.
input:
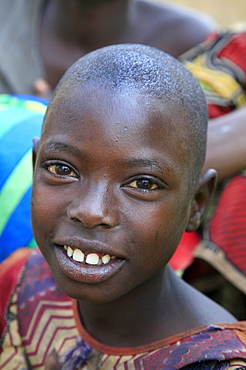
(74, 218)
(106, 226)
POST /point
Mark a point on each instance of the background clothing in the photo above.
(21, 65)
(219, 64)
(20, 120)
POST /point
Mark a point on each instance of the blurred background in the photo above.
(224, 12)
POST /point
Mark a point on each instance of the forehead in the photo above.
(107, 127)
(95, 107)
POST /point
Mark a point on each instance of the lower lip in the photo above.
(84, 273)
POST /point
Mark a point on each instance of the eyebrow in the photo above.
(57, 146)
(145, 162)
(153, 163)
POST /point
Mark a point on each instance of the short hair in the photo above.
(149, 71)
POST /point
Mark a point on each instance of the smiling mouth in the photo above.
(88, 263)
(94, 258)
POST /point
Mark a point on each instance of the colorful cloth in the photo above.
(21, 119)
(20, 62)
(219, 64)
(224, 240)
(40, 318)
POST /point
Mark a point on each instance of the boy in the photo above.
(116, 183)
(42, 38)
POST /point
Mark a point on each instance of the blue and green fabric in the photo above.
(21, 119)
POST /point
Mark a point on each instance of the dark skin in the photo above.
(108, 189)
(71, 29)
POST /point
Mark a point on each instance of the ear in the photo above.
(35, 147)
(202, 199)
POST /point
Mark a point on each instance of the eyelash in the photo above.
(156, 183)
(54, 171)
(148, 181)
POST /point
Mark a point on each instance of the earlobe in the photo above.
(194, 221)
(35, 147)
(202, 199)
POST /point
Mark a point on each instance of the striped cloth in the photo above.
(21, 119)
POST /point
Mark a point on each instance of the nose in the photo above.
(94, 207)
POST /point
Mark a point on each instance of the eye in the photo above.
(145, 184)
(61, 169)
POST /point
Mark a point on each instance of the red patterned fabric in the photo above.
(15, 263)
(228, 225)
(233, 51)
(219, 64)
(40, 318)
(224, 241)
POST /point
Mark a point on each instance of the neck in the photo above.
(88, 22)
(138, 318)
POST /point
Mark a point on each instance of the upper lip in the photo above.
(88, 245)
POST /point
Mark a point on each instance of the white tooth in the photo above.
(69, 251)
(106, 258)
(65, 247)
(92, 259)
(78, 255)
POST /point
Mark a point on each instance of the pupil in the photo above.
(62, 169)
(144, 184)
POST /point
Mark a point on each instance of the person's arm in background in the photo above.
(226, 146)
(219, 64)
(42, 89)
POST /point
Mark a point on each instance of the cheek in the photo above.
(163, 231)
(167, 238)
(43, 212)
(39, 201)
(152, 238)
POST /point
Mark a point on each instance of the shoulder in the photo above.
(10, 272)
(173, 11)
(11, 268)
(213, 347)
(198, 309)
(27, 274)
(205, 310)
(184, 26)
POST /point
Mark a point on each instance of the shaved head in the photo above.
(147, 71)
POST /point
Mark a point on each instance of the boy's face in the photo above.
(110, 180)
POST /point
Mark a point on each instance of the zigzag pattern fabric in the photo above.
(40, 318)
